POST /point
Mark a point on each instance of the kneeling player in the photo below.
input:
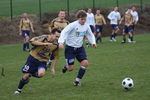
(35, 65)
(127, 29)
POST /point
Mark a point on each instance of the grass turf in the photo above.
(109, 64)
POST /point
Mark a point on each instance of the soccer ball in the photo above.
(127, 83)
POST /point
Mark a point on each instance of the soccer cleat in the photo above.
(17, 92)
(114, 39)
(76, 83)
(129, 40)
(111, 40)
(64, 69)
(123, 41)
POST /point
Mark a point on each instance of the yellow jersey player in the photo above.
(35, 65)
(127, 28)
(25, 27)
(60, 22)
(99, 21)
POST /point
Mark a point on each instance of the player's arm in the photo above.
(91, 37)
(31, 26)
(20, 27)
(37, 41)
(64, 35)
(51, 25)
(104, 21)
(121, 19)
(110, 16)
(53, 67)
(137, 18)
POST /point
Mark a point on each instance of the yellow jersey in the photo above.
(99, 19)
(57, 23)
(128, 19)
(42, 53)
(25, 24)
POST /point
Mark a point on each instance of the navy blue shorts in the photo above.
(25, 33)
(127, 29)
(92, 28)
(71, 53)
(32, 65)
(99, 28)
(133, 27)
(114, 27)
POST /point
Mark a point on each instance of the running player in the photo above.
(25, 27)
(73, 34)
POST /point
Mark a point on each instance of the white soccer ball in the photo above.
(127, 83)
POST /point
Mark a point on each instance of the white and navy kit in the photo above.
(135, 18)
(74, 34)
(90, 20)
(114, 17)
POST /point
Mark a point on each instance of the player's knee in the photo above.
(85, 63)
(41, 74)
(26, 76)
(70, 67)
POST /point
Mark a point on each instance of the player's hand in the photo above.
(61, 46)
(20, 33)
(53, 73)
(94, 45)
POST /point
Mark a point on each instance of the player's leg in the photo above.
(22, 82)
(70, 59)
(116, 30)
(113, 32)
(50, 60)
(82, 58)
(41, 72)
(27, 40)
(125, 31)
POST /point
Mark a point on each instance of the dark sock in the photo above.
(124, 39)
(35, 75)
(27, 45)
(131, 38)
(24, 46)
(81, 72)
(111, 36)
(115, 35)
(22, 83)
(100, 39)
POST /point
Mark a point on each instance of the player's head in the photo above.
(62, 14)
(128, 11)
(116, 9)
(89, 10)
(81, 15)
(133, 8)
(25, 15)
(55, 33)
(98, 11)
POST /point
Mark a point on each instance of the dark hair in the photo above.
(81, 14)
(55, 30)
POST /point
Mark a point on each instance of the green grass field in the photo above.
(109, 64)
(32, 6)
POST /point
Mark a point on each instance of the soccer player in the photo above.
(35, 65)
(60, 22)
(114, 17)
(134, 13)
(25, 27)
(100, 21)
(73, 34)
(90, 20)
(127, 28)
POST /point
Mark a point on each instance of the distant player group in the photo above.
(45, 51)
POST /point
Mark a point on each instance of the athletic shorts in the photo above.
(71, 53)
(114, 27)
(25, 33)
(92, 28)
(127, 29)
(32, 65)
(99, 28)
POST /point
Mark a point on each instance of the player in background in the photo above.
(35, 65)
(25, 27)
(90, 20)
(73, 35)
(99, 21)
(114, 17)
(60, 23)
(127, 28)
(134, 13)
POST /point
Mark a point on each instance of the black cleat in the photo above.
(64, 69)
(76, 83)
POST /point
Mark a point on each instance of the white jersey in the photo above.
(114, 17)
(74, 33)
(135, 16)
(90, 19)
